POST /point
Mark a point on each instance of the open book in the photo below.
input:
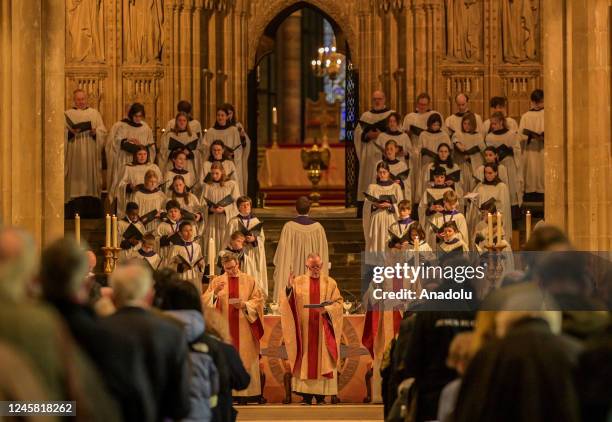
(228, 200)
(254, 231)
(383, 198)
(174, 144)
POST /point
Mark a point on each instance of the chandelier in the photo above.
(327, 63)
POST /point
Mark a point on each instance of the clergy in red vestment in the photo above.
(236, 296)
(311, 318)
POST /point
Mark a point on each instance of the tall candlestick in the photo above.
(490, 229)
(107, 243)
(77, 228)
(211, 256)
(114, 231)
(499, 227)
(274, 116)
(528, 225)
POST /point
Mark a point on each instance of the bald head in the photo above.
(378, 100)
(132, 285)
(80, 98)
(18, 262)
(461, 100)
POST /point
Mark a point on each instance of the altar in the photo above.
(354, 364)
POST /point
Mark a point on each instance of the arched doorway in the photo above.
(263, 94)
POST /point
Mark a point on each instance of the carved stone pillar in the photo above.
(32, 81)
(577, 79)
(289, 98)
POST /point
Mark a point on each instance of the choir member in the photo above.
(398, 232)
(451, 241)
(443, 159)
(186, 108)
(531, 131)
(236, 246)
(149, 198)
(490, 157)
(509, 153)
(400, 173)
(499, 105)
(450, 213)
(180, 138)
(109, 150)
(230, 136)
(188, 202)
(299, 238)
(168, 228)
(371, 124)
(217, 155)
(132, 176)
(146, 252)
(415, 123)
(85, 134)
(254, 247)
(132, 133)
(236, 296)
(179, 163)
(453, 122)
(468, 145)
(493, 187)
(185, 257)
(432, 203)
(130, 229)
(401, 139)
(380, 209)
(431, 139)
(417, 239)
(311, 320)
(245, 150)
(218, 196)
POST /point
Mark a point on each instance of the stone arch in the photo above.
(337, 12)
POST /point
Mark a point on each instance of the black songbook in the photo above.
(254, 231)
(433, 201)
(381, 126)
(174, 144)
(415, 130)
(437, 231)
(173, 239)
(132, 147)
(148, 217)
(184, 265)
(81, 127)
(401, 176)
(230, 149)
(429, 153)
(132, 232)
(395, 239)
(228, 200)
(383, 198)
(188, 215)
(474, 150)
(318, 305)
(455, 176)
(488, 205)
(504, 151)
(531, 134)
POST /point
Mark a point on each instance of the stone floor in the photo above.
(296, 412)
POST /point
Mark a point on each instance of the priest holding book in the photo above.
(311, 319)
(85, 134)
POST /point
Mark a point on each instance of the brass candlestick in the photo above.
(314, 160)
(111, 255)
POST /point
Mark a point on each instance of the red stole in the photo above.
(313, 329)
(233, 312)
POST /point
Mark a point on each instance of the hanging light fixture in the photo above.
(328, 62)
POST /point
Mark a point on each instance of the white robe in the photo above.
(453, 123)
(376, 222)
(192, 254)
(130, 175)
(120, 157)
(368, 153)
(257, 254)
(148, 202)
(244, 161)
(231, 139)
(122, 226)
(424, 219)
(510, 124)
(83, 156)
(512, 163)
(154, 260)
(533, 151)
(189, 177)
(468, 163)
(296, 242)
(216, 224)
(229, 168)
(194, 125)
(193, 164)
(439, 219)
(397, 168)
(426, 180)
(502, 204)
(431, 141)
(502, 173)
(166, 228)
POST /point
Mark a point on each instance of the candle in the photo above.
(499, 227)
(416, 243)
(489, 228)
(211, 256)
(274, 116)
(528, 225)
(77, 228)
(108, 231)
(114, 231)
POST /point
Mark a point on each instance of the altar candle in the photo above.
(417, 242)
(108, 231)
(528, 224)
(211, 256)
(77, 228)
(274, 116)
(499, 227)
(490, 228)
(114, 230)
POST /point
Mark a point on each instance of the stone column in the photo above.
(32, 154)
(289, 95)
(578, 120)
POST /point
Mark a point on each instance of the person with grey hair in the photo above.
(161, 339)
(66, 284)
(36, 333)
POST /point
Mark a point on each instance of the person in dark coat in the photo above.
(119, 359)
(161, 338)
